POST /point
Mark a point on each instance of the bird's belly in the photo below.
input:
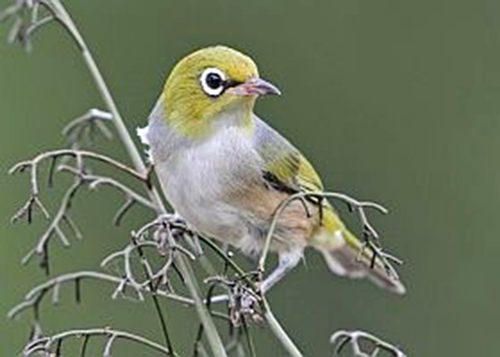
(198, 183)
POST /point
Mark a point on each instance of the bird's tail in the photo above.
(348, 258)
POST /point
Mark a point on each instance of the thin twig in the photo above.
(370, 233)
(35, 295)
(340, 339)
(79, 155)
(93, 118)
(152, 288)
(45, 344)
(282, 336)
(94, 181)
(41, 249)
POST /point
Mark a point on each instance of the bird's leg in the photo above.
(287, 261)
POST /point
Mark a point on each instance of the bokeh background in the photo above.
(393, 101)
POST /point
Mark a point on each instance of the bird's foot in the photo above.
(173, 220)
(249, 302)
(172, 227)
(243, 300)
(248, 305)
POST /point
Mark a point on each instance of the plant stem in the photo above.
(211, 332)
(41, 344)
(118, 121)
(280, 333)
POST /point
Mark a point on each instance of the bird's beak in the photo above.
(255, 87)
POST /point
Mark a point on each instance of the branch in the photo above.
(86, 124)
(33, 203)
(340, 339)
(41, 248)
(282, 336)
(47, 344)
(79, 156)
(162, 242)
(35, 296)
(25, 26)
(62, 215)
(242, 294)
(94, 181)
(371, 236)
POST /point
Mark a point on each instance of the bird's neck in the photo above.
(238, 116)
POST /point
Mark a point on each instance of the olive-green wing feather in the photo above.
(284, 166)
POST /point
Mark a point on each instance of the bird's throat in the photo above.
(239, 114)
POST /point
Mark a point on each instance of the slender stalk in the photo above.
(359, 205)
(35, 295)
(211, 332)
(282, 336)
(341, 338)
(44, 343)
(147, 272)
(280, 333)
(118, 121)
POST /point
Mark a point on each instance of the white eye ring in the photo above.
(209, 89)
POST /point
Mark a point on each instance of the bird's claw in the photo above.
(244, 304)
(248, 303)
(172, 227)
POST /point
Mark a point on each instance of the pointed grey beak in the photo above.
(255, 87)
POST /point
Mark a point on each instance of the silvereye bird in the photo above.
(225, 171)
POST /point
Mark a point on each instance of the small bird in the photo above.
(225, 171)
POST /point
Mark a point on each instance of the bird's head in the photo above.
(212, 84)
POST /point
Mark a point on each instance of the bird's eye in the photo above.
(212, 81)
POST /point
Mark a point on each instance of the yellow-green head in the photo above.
(210, 82)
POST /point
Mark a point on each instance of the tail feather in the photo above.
(345, 260)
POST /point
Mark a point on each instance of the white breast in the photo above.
(197, 179)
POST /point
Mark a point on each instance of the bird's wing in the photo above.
(284, 167)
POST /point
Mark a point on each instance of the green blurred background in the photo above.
(393, 101)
